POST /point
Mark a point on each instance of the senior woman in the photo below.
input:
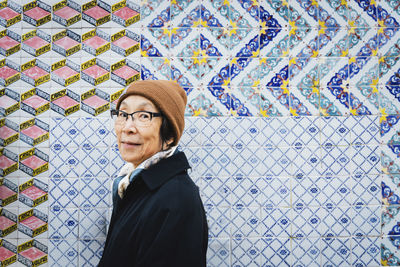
(158, 218)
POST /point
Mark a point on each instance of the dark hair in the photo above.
(166, 133)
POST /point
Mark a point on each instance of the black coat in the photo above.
(160, 221)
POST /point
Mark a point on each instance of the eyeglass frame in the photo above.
(115, 112)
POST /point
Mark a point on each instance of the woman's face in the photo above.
(136, 144)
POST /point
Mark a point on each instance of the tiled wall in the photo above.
(292, 124)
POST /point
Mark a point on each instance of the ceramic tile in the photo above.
(95, 192)
(335, 251)
(306, 222)
(219, 251)
(63, 223)
(366, 251)
(366, 220)
(245, 221)
(306, 252)
(90, 251)
(63, 252)
(275, 252)
(275, 222)
(92, 223)
(245, 251)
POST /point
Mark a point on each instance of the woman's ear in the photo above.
(167, 144)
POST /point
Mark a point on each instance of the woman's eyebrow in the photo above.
(141, 105)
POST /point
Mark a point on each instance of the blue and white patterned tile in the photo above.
(246, 131)
(219, 252)
(365, 130)
(63, 223)
(195, 158)
(193, 134)
(305, 192)
(335, 251)
(245, 221)
(306, 222)
(217, 131)
(322, 191)
(64, 193)
(94, 193)
(217, 161)
(366, 220)
(275, 252)
(248, 161)
(366, 159)
(336, 191)
(306, 161)
(246, 252)
(92, 223)
(116, 161)
(219, 221)
(275, 222)
(366, 189)
(90, 251)
(94, 161)
(306, 131)
(336, 130)
(275, 191)
(95, 131)
(277, 131)
(278, 161)
(216, 191)
(65, 132)
(246, 191)
(306, 252)
(64, 162)
(337, 160)
(63, 252)
(336, 221)
(366, 251)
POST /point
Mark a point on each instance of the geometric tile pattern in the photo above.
(292, 124)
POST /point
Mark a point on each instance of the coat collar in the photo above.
(161, 172)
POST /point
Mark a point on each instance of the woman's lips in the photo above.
(130, 145)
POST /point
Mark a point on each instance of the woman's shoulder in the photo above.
(179, 190)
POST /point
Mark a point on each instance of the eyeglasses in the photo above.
(141, 118)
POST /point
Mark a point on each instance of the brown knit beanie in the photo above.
(168, 96)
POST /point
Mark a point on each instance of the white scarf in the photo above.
(128, 168)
